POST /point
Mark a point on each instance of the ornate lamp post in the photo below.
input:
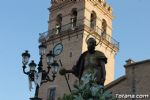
(40, 76)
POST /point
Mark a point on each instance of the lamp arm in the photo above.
(48, 70)
(45, 81)
(24, 71)
(49, 79)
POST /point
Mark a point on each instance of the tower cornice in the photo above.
(61, 4)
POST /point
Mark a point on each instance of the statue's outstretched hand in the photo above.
(62, 71)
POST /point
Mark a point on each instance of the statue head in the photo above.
(91, 43)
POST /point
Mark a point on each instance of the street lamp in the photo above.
(54, 67)
(25, 57)
(42, 49)
(50, 58)
(40, 76)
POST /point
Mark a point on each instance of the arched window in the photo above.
(58, 23)
(100, 1)
(74, 14)
(104, 28)
(93, 20)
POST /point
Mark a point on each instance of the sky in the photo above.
(21, 21)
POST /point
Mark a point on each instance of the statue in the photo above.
(90, 61)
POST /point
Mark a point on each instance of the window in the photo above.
(93, 20)
(58, 23)
(51, 93)
(74, 18)
(104, 28)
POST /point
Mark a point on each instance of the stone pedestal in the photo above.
(35, 98)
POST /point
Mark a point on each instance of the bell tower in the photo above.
(71, 23)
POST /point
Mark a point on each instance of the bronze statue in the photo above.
(90, 61)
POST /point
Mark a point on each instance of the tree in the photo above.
(88, 89)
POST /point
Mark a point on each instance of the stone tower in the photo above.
(71, 22)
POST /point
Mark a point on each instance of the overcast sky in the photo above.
(22, 20)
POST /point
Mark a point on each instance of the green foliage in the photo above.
(66, 97)
(88, 89)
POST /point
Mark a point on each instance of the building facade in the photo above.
(134, 85)
(71, 23)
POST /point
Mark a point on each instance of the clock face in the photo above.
(58, 48)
